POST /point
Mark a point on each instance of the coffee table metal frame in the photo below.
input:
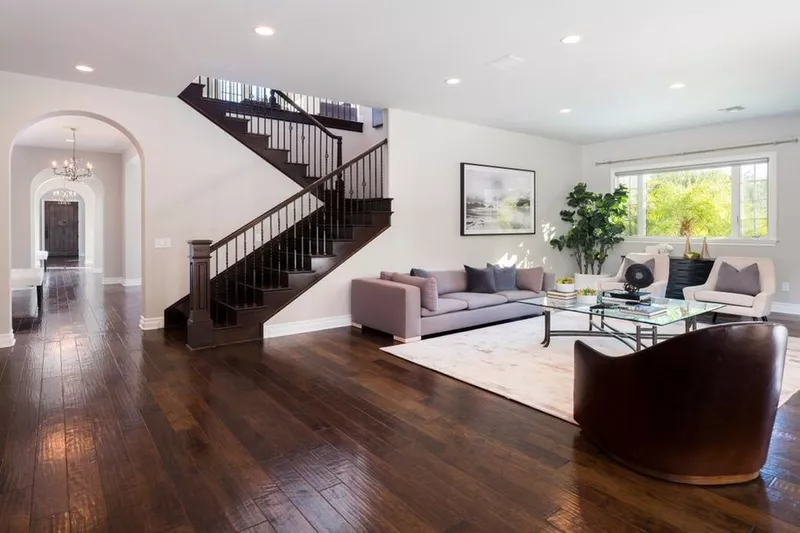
(646, 327)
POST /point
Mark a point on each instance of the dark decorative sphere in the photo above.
(638, 277)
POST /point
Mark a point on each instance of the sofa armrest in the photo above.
(688, 292)
(549, 281)
(763, 303)
(658, 288)
(386, 306)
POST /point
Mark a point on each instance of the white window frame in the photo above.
(735, 239)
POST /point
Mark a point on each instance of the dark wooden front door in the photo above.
(61, 229)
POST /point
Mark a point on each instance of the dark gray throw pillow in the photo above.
(480, 279)
(420, 273)
(650, 263)
(505, 278)
(744, 281)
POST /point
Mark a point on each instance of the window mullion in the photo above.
(736, 204)
(641, 223)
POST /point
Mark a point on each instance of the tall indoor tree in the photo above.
(596, 226)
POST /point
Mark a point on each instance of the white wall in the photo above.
(132, 223)
(28, 163)
(425, 154)
(354, 143)
(785, 252)
(198, 182)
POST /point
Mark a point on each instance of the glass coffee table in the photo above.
(646, 327)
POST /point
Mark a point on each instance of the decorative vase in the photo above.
(687, 249)
(565, 287)
(704, 250)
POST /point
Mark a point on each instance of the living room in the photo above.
(143, 408)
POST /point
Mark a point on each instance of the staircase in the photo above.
(239, 282)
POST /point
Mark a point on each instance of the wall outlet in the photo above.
(163, 243)
(785, 286)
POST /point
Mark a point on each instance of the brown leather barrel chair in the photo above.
(698, 408)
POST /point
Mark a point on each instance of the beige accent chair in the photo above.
(661, 274)
(757, 306)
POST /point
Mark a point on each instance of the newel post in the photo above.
(199, 328)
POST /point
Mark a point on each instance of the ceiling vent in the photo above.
(506, 62)
(732, 109)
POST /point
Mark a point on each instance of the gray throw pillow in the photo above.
(420, 273)
(480, 279)
(744, 281)
(505, 278)
(387, 276)
(530, 279)
(428, 292)
(650, 263)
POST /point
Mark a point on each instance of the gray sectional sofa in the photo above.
(396, 308)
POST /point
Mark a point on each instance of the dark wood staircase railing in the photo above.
(243, 279)
(278, 130)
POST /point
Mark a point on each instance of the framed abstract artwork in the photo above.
(497, 200)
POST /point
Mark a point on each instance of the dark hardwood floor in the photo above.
(106, 428)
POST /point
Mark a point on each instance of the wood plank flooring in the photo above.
(106, 428)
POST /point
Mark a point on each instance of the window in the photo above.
(721, 199)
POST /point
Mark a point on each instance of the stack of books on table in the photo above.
(643, 309)
(624, 297)
(563, 296)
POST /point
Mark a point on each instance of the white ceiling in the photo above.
(397, 53)
(92, 135)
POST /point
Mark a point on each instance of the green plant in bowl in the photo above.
(565, 281)
(587, 292)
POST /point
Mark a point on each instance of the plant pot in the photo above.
(589, 281)
(590, 299)
(565, 287)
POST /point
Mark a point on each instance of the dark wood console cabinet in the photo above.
(686, 273)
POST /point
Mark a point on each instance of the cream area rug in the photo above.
(509, 360)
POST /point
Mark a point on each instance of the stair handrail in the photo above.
(308, 116)
(233, 235)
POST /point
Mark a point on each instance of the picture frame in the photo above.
(497, 200)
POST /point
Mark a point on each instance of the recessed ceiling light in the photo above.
(678, 86)
(565, 111)
(571, 39)
(265, 31)
(452, 81)
(84, 68)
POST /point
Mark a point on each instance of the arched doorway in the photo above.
(109, 203)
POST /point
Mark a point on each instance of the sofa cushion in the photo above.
(505, 278)
(476, 300)
(428, 293)
(420, 272)
(450, 280)
(517, 295)
(446, 305)
(530, 279)
(727, 298)
(480, 279)
(745, 281)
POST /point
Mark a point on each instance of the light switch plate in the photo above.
(163, 243)
(785, 286)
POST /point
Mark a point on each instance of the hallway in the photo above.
(107, 428)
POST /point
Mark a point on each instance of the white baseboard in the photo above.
(132, 282)
(112, 281)
(784, 307)
(7, 340)
(305, 326)
(147, 324)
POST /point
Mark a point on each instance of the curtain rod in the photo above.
(695, 152)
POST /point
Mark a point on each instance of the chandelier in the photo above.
(71, 170)
(65, 196)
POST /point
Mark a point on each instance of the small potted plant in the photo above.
(587, 296)
(565, 284)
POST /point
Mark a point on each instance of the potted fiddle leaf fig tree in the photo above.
(596, 225)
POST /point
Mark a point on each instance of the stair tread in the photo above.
(239, 306)
(263, 288)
